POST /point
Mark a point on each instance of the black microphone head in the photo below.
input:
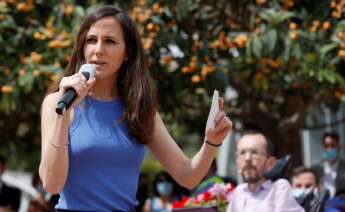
(88, 70)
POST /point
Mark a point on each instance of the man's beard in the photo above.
(252, 178)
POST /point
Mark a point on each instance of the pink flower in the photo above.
(221, 189)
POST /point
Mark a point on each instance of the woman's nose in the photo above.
(99, 47)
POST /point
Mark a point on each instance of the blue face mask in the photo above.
(330, 154)
(164, 188)
(300, 192)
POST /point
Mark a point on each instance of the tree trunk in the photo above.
(289, 142)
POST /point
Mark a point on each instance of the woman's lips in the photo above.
(98, 64)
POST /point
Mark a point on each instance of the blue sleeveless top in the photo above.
(104, 161)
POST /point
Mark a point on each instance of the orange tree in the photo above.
(37, 38)
(282, 57)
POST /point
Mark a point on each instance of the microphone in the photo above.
(321, 200)
(88, 70)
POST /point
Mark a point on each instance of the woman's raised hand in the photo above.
(222, 126)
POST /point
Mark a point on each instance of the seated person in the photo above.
(258, 194)
(9, 196)
(142, 190)
(305, 185)
(163, 187)
(37, 206)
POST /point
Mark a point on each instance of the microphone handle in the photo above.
(66, 101)
(68, 98)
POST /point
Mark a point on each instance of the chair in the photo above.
(280, 169)
(318, 204)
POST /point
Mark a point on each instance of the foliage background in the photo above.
(274, 60)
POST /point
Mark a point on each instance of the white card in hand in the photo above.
(213, 111)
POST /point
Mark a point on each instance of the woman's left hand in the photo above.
(222, 126)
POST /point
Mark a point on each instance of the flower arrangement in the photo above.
(217, 197)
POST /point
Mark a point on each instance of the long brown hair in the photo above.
(135, 84)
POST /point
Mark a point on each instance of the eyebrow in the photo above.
(106, 36)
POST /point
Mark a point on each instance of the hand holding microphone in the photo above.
(75, 86)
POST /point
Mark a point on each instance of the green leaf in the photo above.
(80, 11)
(4, 8)
(310, 57)
(328, 47)
(182, 9)
(287, 49)
(9, 23)
(168, 12)
(249, 48)
(7, 103)
(282, 16)
(26, 82)
(157, 20)
(50, 69)
(266, 15)
(257, 47)
(275, 17)
(272, 38)
(330, 76)
(296, 51)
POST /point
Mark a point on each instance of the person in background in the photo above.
(305, 185)
(38, 206)
(91, 154)
(304, 180)
(9, 196)
(331, 169)
(258, 194)
(143, 191)
(163, 189)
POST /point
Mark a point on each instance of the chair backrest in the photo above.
(280, 169)
(319, 202)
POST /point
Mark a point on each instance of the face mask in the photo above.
(301, 192)
(330, 154)
(164, 188)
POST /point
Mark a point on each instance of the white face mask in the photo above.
(301, 192)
